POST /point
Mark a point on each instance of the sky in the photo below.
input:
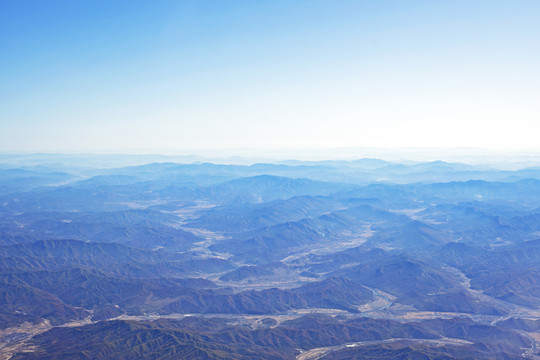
(199, 76)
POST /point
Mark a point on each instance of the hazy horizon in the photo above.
(509, 160)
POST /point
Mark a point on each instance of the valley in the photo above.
(270, 261)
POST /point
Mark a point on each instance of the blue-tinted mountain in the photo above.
(423, 260)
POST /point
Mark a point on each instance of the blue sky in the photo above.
(124, 76)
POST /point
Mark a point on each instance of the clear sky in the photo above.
(111, 75)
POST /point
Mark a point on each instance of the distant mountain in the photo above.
(469, 224)
(17, 179)
(413, 235)
(355, 256)
(250, 217)
(263, 188)
(525, 190)
(269, 244)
